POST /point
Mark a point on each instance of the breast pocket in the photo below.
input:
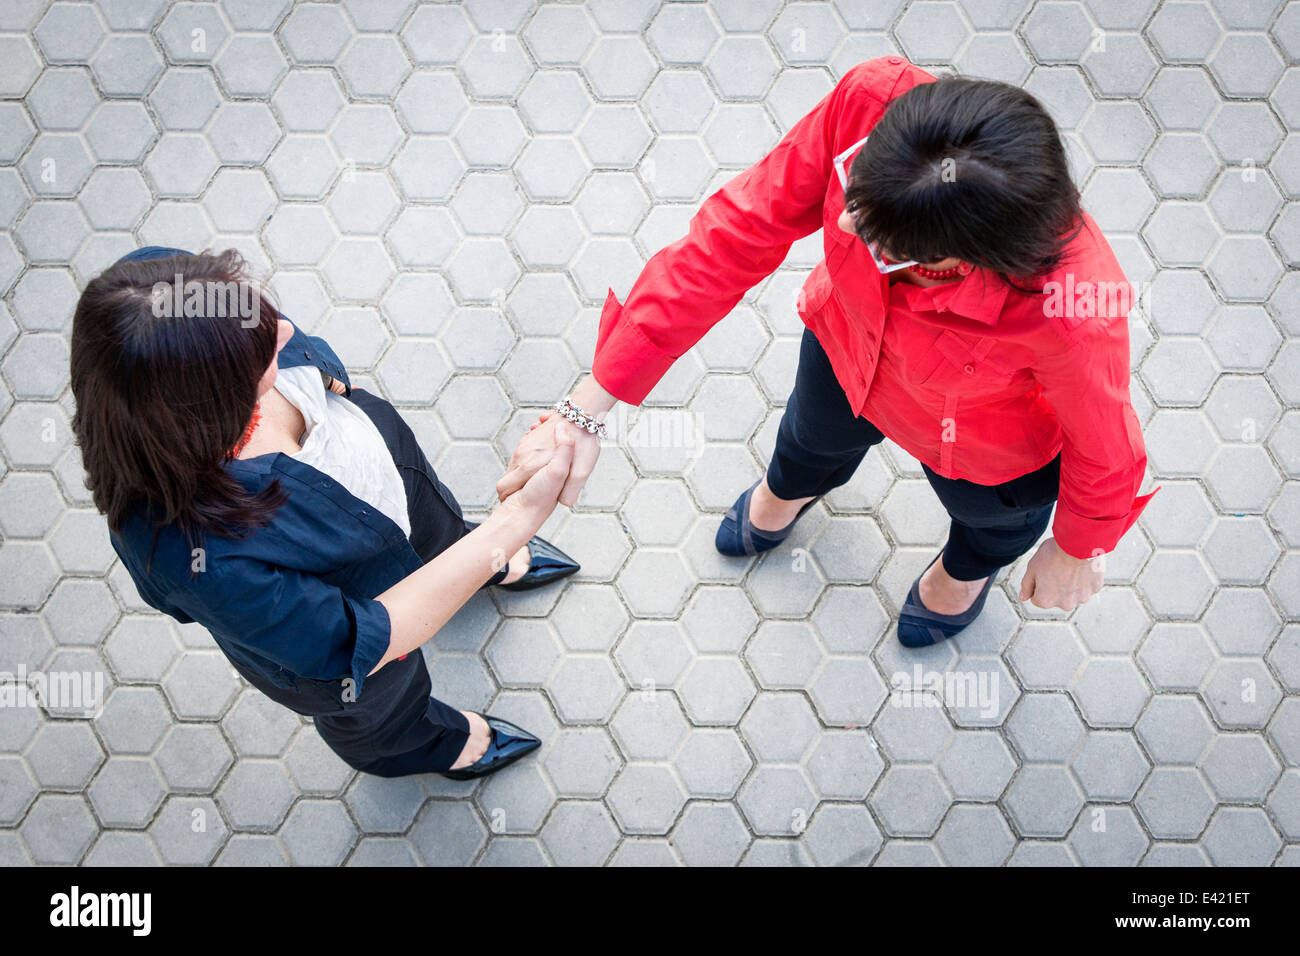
(964, 366)
(816, 290)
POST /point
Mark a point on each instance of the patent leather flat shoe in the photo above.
(507, 744)
(737, 537)
(918, 626)
(546, 563)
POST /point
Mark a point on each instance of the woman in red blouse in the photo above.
(967, 308)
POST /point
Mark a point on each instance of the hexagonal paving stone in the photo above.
(1175, 730)
(849, 619)
(911, 800)
(1240, 768)
(1108, 836)
(81, 611)
(1241, 836)
(58, 829)
(777, 801)
(977, 765)
(134, 719)
(318, 833)
(1043, 801)
(848, 691)
(1109, 766)
(201, 685)
(585, 689)
(842, 835)
(64, 755)
(975, 836)
(646, 798)
(654, 583)
(649, 726)
(1044, 727)
(712, 763)
(1174, 803)
(1046, 655)
(784, 654)
(1177, 656)
(654, 654)
(917, 732)
(581, 762)
(126, 792)
(1110, 692)
(659, 512)
(385, 805)
(448, 833)
(1241, 693)
(711, 834)
(523, 653)
(1176, 584)
(188, 831)
(193, 757)
(580, 834)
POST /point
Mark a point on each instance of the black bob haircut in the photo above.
(968, 168)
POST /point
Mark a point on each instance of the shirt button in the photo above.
(969, 369)
(895, 60)
(307, 356)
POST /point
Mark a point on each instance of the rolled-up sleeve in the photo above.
(1103, 455)
(291, 617)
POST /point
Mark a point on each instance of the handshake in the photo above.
(553, 460)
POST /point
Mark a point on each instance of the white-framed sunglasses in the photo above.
(841, 169)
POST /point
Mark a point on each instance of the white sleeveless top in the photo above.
(344, 443)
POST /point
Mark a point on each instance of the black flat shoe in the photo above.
(918, 626)
(546, 563)
(507, 744)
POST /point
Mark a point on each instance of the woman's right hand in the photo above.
(533, 503)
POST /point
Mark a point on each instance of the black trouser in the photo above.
(821, 443)
(394, 727)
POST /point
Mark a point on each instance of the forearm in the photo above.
(591, 397)
(422, 602)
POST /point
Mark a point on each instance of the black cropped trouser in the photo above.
(821, 442)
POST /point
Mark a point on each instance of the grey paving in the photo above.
(446, 192)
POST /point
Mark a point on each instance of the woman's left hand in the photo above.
(1055, 579)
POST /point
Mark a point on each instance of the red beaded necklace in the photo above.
(248, 433)
(960, 269)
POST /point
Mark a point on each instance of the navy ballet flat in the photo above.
(507, 744)
(738, 538)
(918, 626)
(546, 563)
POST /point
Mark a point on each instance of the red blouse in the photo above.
(975, 379)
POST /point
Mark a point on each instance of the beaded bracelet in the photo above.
(572, 413)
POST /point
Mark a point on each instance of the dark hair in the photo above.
(968, 168)
(162, 398)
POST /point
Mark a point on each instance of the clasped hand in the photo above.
(538, 447)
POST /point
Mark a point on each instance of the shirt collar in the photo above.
(979, 296)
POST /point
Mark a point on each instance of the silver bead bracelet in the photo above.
(572, 413)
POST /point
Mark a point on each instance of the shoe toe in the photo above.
(912, 633)
(509, 731)
(727, 540)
